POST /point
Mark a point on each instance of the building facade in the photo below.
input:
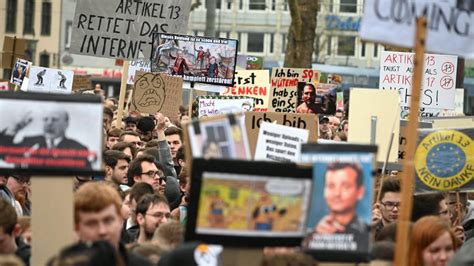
(37, 21)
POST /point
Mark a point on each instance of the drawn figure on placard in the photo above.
(200, 56)
(266, 213)
(55, 124)
(213, 68)
(246, 107)
(150, 91)
(39, 77)
(180, 63)
(207, 56)
(62, 80)
(216, 210)
(309, 96)
(343, 189)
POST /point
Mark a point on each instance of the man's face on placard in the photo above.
(309, 95)
(341, 191)
(55, 123)
(102, 225)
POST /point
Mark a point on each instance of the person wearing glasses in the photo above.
(19, 185)
(386, 210)
(144, 169)
(152, 211)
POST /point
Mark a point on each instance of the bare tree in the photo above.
(301, 34)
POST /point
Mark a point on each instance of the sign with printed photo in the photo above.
(48, 80)
(194, 58)
(20, 71)
(45, 134)
(247, 203)
(284, 82)
(340, 214)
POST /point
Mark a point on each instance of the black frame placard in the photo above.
(195, 58)
(256, 217)
(50, 134)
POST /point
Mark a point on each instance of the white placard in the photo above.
(215, 106)
(439, 78)
(50, 80)
(280, 143)
(137, 65)
(450, 28)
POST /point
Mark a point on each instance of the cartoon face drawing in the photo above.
(149, 93)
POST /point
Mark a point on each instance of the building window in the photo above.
(29, 17)
(329, 47)
(257, 4)
(44, 59)
(46, 18)
(283, 43)
(348, 6)
(241, 4)
(273, 5)
(229, 4)
(376, 50)
(346, 45)
(11, 16)
(69, 34)
(286, 7)
(255, 42)
(362, 49)
(239, 37)
(272, 36)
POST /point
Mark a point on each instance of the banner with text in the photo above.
(252, 83)
(123, 29)
(450, 24)
(439, 80)
(284, 82)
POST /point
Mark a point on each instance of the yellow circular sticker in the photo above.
(444, 160)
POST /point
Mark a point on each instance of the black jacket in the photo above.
(23, 251)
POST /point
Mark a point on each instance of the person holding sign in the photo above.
(343, 188)
(309, 96)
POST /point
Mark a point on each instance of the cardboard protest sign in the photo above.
(439, 80)
(155, 92)
(321, 101)
(12, 48)
(123, 29)
(279, 143)
(337, 167)
(81, 82)
(449, 24)
(20, 71)
(253, 121)
(137, 65)
(221, 137)
(458, 107)
(403, 138)
(48, 80)
(284, 82)
(194, 58)
(385, 105)
(248, 203)
(45, 134)
(452, 122)
(253, 83)
(214, 105)
(444, 160)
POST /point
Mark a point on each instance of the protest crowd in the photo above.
(281, 166)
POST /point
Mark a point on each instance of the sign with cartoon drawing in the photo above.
(50, 80)
(153, 92)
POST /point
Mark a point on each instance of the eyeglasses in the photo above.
(390, 205)
(152, 174)
(22, 180)
(160, 215)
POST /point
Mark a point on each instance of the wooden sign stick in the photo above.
(123, 89)
(407, 177)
